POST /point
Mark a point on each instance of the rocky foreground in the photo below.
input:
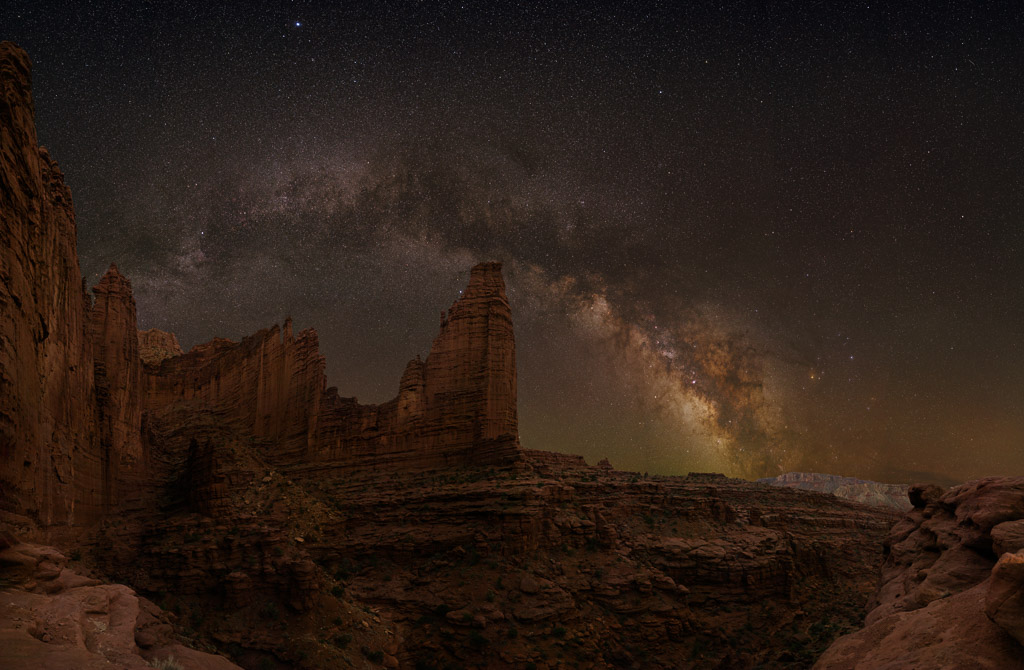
(547, 562)
(952, 591)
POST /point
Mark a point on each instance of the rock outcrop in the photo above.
(850, 488)
(51, 616)
(50, 467)
(456, 407)
(952, 585)
(157, 345)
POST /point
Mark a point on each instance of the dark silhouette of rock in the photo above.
(921, 495)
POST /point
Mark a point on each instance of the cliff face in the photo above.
(118, 379)
(70, 374)
(952, 591)
(457, 406)
(50, 468)
(75, 392)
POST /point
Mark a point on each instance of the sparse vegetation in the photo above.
(168, 663)
(375, 656)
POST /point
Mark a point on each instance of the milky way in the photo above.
(738, 239)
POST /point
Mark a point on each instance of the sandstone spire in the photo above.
(118, 377)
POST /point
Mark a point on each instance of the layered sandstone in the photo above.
(50, 467)
(157, 345)
(456, 407)
(118, 379)
(952, 585)
(504, 566)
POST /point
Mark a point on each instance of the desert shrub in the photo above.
(376, 656)
(342, 640)
(166, 664)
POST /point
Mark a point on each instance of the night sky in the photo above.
(740, 237)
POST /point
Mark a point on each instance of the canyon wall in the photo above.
(50, 466)
(79, 409)
(456, 407)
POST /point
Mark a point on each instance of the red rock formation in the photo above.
(265, 490)
(944, 600)
(118, 378)
(156, 345)
(457, 406)
(55, 617)
(50, 469)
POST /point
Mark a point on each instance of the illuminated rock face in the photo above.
(952, 584)
(456, 407)
(50, 467)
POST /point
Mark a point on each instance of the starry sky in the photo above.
(742, 237)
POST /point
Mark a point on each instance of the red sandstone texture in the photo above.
(55, 618)
(457, 407)
(544, 561)
(50, 468)
(952, 592)
(118, 380)
(156, 345)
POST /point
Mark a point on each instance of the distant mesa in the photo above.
(850, 488)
